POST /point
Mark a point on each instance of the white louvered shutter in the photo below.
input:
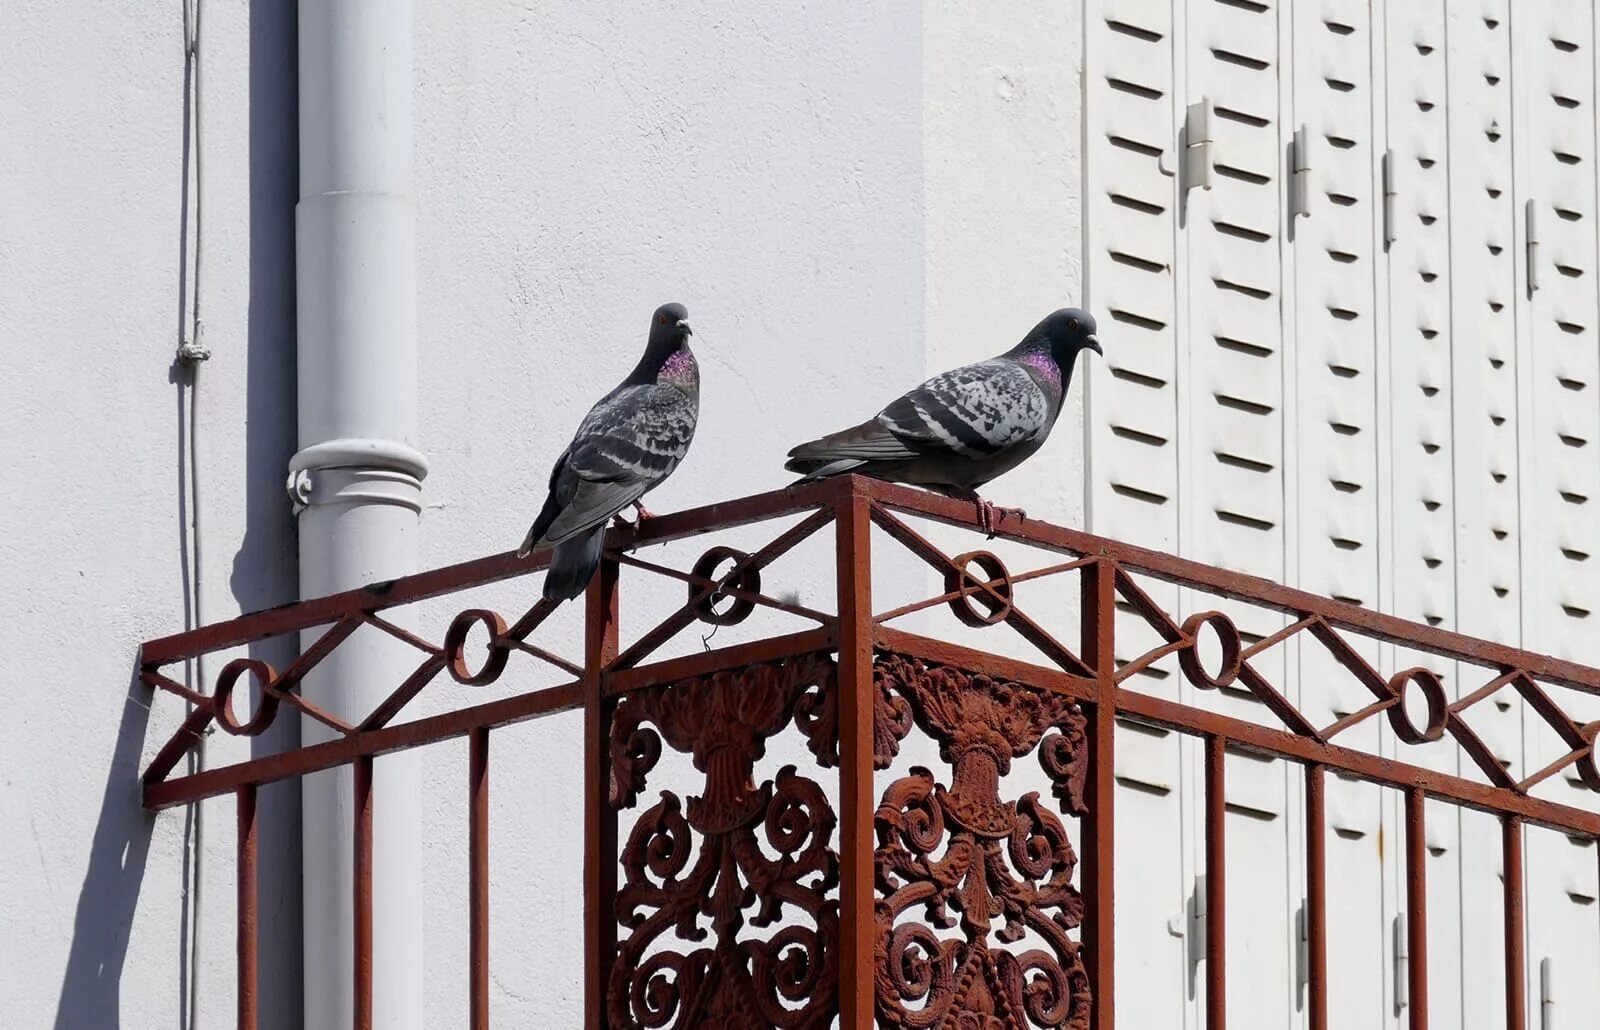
(1553, 54)
(1233, 475)
(1485, 419)
(1339, 431)
(1133, 459)
(1420, 503)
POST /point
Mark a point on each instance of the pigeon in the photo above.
(627, 445)
(959, 430)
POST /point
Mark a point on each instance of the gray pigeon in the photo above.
(627, 445)
(959, 430)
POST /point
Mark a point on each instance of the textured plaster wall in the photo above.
(847, 196)
(93, 545)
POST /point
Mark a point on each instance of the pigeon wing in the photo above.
(977, 411)
(627, 444)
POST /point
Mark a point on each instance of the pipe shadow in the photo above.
(265, 567)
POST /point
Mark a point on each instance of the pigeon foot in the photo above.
(990, 516)
(643, 515)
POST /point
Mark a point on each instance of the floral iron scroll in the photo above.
(1009, 862)
(788, 979)
(705, 867)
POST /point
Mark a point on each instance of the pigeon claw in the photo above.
(990, 516)
(644, 515)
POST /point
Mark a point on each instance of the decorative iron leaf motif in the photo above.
(738, 852)
(978, 864)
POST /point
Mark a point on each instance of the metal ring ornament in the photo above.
(748, 580)
(960, 578)
(222, 701)
(1227, 636)
(455, 645)
(1432, 692)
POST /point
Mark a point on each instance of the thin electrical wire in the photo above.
(193, 355)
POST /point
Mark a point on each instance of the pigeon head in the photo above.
(1068, 331)
(670, 324)
(667, 355)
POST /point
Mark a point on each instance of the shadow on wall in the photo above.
(265, 569)
(91, 990)
(263, 574)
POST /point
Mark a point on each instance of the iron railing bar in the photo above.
(718, 589)
(1571, 758)
(1357, 717)
(549, 657)
(857, 799)
(1516, 985)
(1018, 620)
(182, 740)
(1276, 638)
(1149, 658)
(392, 705)
(362, 871)
(1417, 906)
(343, 751)
(601, 614)
(479, 572)
(400, 633)
(155, 680)
(703, 663)
(942, 652)
(247, 886)
(1250, 736)
(1316, 897)
(1216, 832)
(988, 586)
(675, 623)
(1482, 692)
(1098, 619)
(478, 875)
(532, 619)
(313, 655)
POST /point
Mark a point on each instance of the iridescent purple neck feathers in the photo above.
(680, 369)
(1043, 366)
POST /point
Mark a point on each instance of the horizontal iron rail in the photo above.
(565, 697)
(1250, 736)
(1251, 589)
(299, 615)
(809, 496)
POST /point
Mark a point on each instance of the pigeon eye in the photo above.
(1072, 323)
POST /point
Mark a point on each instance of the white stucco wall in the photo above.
(93, 551)
(847, 196)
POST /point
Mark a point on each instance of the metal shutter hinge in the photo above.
(1390, 190)
(1196, 146)
(1300, 173)
(1303, 947)
(1547, 995)
(1402, 963)
(1532, 232)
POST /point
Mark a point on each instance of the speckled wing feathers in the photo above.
(628, 443)
(972, 414)
(977, 411)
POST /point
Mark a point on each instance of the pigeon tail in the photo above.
(814, 472)
(573, 564)
(541, 525)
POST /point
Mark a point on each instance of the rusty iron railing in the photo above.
(839, 868)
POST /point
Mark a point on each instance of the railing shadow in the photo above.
(91, 990)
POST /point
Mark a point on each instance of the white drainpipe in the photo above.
(357, 479)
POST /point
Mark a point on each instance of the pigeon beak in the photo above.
(683, 324)
(1093, 343)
